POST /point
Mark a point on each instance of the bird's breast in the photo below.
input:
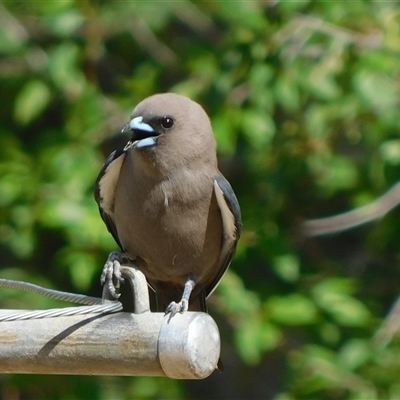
(172, 226)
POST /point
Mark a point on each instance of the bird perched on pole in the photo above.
(167, 205)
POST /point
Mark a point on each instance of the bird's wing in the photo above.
(104, 192)
(231, 225)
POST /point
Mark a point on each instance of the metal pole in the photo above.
(186, 346)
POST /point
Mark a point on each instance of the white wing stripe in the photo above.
(229, 230)
(108, 183)
(228, 219)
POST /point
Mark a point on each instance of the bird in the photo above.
(167, 205)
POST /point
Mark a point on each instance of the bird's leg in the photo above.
(111, 275)
(183, 305)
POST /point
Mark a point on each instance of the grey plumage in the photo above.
(167, 205)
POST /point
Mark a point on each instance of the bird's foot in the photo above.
(111, 275)
(183, 305)
(174, 308)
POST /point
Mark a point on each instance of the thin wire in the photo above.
(93, 305)
(60, 312)
(53, 294)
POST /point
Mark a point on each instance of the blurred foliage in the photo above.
(304, 99)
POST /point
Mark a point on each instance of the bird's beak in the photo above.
(143, 135)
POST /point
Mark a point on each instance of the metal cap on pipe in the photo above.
(189, 346)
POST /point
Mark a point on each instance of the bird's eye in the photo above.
(167, 122)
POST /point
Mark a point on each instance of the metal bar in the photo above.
(185, 347)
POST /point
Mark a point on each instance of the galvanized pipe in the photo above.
(186, 346)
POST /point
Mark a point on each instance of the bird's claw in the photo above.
(111, 275)
(174, 308)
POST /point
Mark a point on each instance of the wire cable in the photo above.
(93, 305)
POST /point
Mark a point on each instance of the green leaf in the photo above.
(293, 309)
(225, 130)
(333, 172)
(390, 151)
(234, 296)
(333, 296)
(258, 127)
(82, 267)
(321, 83)
(66, 22)
(376, 90)
(260, 75)
(254, 336)
(12, 37)
(31, 101)
(287, 267)
(355, 353)
(330, 333)
(317, 118)
(287, 93)
(63, 69)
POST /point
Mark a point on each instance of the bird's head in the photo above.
(171, 126)
(145, 132)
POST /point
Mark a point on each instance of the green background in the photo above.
(304, 99)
